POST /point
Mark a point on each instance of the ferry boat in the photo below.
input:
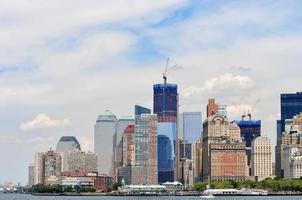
(235, 192)
(252, 192)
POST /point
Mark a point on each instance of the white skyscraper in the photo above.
(261, 160)
(104, 133)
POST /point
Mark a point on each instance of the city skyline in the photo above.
(59, 75)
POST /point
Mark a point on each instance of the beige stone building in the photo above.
(292, 137)
(218, 135)
(261, 157)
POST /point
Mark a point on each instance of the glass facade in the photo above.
(165, 105)
(139, 110)
(291, 105)
(190, 126)
(249, 130)
(68, 143)
(165, 99)
(104, 132)
(166, 150)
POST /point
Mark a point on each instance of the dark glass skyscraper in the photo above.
(165, 105)
(165, 99)
(249, 130)
(291, 105)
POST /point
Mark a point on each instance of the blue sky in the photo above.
(62, 64)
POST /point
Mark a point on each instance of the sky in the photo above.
(62, 63)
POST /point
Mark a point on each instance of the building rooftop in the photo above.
(107, 116)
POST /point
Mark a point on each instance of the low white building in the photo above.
(80, 181)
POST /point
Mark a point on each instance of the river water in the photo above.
(30, 197)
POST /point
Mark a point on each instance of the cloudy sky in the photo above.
(64, 62)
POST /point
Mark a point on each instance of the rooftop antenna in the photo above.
(165, 72)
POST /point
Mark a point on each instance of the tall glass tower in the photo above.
(67, 144)
(122, 124)
(104, 133)
(189, 126)
(291, 105)
(165, 105)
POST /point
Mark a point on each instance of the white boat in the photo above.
(207, 196)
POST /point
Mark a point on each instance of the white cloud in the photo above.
(42, 120)
(224, 83)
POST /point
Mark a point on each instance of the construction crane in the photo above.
(166, 71)
(249, 114)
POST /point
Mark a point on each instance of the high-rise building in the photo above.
(219, 135)
(139, 110)
(105, 130)
(165, 105)
(291, 105)
(249, 130)
(68, 143)
(145, 169)
(184, 170)
(290, 155)
(228, 161)
(123, 122)
(189, 126)
(212, 107)
(31, 176)
(222, 110)
(291, 137)
(261, 161)
(165, 100)
(197, 160)
(129, 146)
(39, 168)
(295, 165)
(52, 164)
(65, 145)
(80, 159)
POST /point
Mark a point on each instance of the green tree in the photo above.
(200, 186)
(115, 186)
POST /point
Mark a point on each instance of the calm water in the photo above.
(29, 197)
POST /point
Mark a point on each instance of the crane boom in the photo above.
(166, 71)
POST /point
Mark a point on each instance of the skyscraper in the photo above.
(165, 105)
(31, 176)
(223, 151)
(52, 164)
(261, 159)
(39, 168)
(212, 107)
(165, 100)
(145, 169)
(139, 110)
(122, 123)
(105, 130)
(80, 159)
(249, 130)
(290, 138)
(291, 105)
(190, 126)
(67, 144)
(129, 146)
